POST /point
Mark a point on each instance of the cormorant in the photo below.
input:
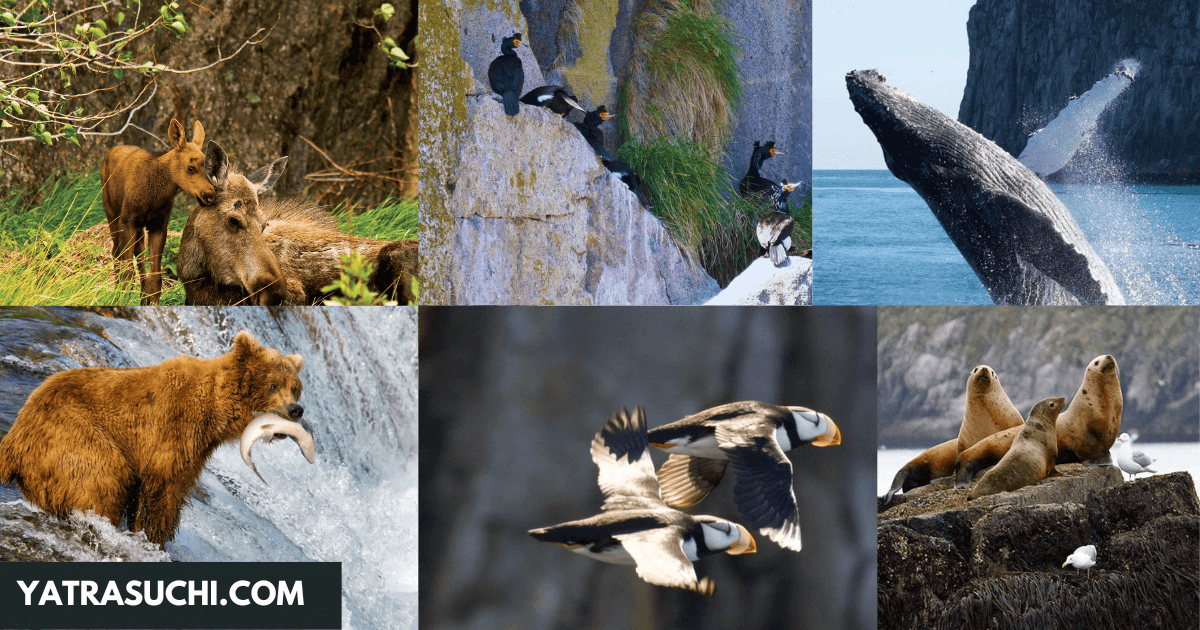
(554, 98)
(754, 184)
(507, 75)
(628, 177)
(774, 230)
(590, 128)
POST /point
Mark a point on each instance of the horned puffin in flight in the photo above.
(754, 436)
(507, 74)
(635, 526)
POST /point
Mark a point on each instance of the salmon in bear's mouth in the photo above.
(271, 426)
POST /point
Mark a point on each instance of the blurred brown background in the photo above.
(510, 399)
(317, 75)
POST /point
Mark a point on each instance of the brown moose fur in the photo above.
(139, 191)
(132, 442)
(268, 251)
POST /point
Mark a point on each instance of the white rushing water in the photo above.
(1051, 147)
(357, 504)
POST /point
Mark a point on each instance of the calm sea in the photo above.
(1169, 456)
(878, 243)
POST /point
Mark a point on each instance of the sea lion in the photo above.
(988, 408)
(1089, 427)
(1031, 457)
(1085, 431)
(933, 463)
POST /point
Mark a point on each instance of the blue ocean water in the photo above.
(877, 242)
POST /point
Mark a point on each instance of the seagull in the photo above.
(635, 526)
(1083, 558)
(1131, 461)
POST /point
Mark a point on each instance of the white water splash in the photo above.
(1051, 148)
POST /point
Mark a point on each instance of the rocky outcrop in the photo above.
(764, 283)
(544, 246)
(926, 353)
(1027, 58)
(318, 75)
(521, 211)
(996, 562)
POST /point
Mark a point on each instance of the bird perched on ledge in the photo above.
(507, 74)
(754, 184)
(590, 128)
(635, 526)
(554, 98)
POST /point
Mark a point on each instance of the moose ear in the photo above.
(197, 134)
(266, 181)
(216, 164)
(175, 135)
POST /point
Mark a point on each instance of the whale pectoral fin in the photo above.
(1040, 242)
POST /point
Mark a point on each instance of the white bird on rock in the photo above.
(1083, 558)
(1131, 461)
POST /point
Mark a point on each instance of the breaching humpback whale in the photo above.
(1014, 233)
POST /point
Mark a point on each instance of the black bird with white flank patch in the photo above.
(774, 233)
(754, 436)
(507, 74)
(754, 184)
(635, 526)
(627, 177)
(554, 98)
(590, 128)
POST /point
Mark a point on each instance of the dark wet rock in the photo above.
(29, 536)
(996, 562)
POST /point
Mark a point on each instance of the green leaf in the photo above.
(119, 73)
(7, 18)
(179, 27)
(120, 17)
(102, 25)
(399, 54)
(253, 98)
(5, 124)
(388, 42)
(31, 96)
(386, 11)
(71, 133)
(92, 48)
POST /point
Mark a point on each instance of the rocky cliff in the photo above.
(996, 561)
(566, 234)
(1027, 58)
(925, 355)
(318, 74)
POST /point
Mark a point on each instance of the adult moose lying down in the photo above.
(241, 249)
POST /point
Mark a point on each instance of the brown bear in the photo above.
(132, 442)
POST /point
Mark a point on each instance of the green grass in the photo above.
(55, 248)
(393, 220)
(693, 41)
(691, 193)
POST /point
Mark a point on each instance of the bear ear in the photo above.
(296, 360)
(243, 344)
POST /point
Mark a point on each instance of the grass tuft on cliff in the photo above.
(684, 79)
(55, 248)
(691, 193)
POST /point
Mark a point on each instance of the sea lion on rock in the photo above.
(1085, 431)
(1089, 427)
(988, 410)
(1031, 457)
(933, 463)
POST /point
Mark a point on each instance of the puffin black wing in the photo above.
(507, 74)
(763, 492)
(686, 480)
(622, 453)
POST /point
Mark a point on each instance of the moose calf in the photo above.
(139, 191)
(242, 249)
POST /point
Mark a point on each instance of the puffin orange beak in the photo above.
(831, 437)
(744, 545)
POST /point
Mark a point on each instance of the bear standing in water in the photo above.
(132, 442)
